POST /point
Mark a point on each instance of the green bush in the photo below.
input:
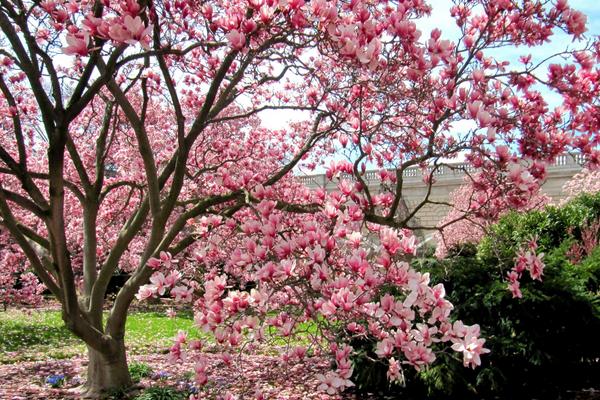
(545, 341)
(541, 344)
(163, 393)
(552, 226)
(139, 370)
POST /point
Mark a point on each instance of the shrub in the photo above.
(552, 226)
(545, 341)
(548, 338)
(163, 393)
(542, 344)
(139, 370)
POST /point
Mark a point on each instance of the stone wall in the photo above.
(447, 179)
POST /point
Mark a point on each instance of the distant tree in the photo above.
(474, 211)
(586, 181)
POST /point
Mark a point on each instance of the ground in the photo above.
(27, 380)
(35, 348)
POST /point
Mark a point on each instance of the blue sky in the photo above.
(440, 18)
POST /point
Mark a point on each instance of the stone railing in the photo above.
(449, 171)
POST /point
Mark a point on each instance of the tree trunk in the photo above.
(107, 371)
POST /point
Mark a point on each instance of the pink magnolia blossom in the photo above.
(332, 383)
(471, 346)
(514, 287)
(131, 7)
(526, 259)
(145, 292)
(536, 266)
(171, 313)
(182, 294)
(394, 372)
(154, 263)
(236, 39)
(77, 44)
(131, 31)
(171, 279)
(159, 282)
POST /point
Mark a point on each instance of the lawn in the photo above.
(39, 335)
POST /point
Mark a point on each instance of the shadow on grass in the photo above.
(30, 336)
(17, 335)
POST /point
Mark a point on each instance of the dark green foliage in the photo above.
(139, 370)
(369, 371)
(119, 394)
(542, 344)
(590, 267)
(163, 393)
(546, 341)
(552, 226)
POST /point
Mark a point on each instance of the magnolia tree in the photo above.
(473, 211)
(17, 284)
(132, 140)
(586, 181)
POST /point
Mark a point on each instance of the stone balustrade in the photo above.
(449, 177)
(449, 171)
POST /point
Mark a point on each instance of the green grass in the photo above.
(153, 331)
(38, 335)
(35, 335)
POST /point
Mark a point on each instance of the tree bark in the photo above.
(107, 371)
